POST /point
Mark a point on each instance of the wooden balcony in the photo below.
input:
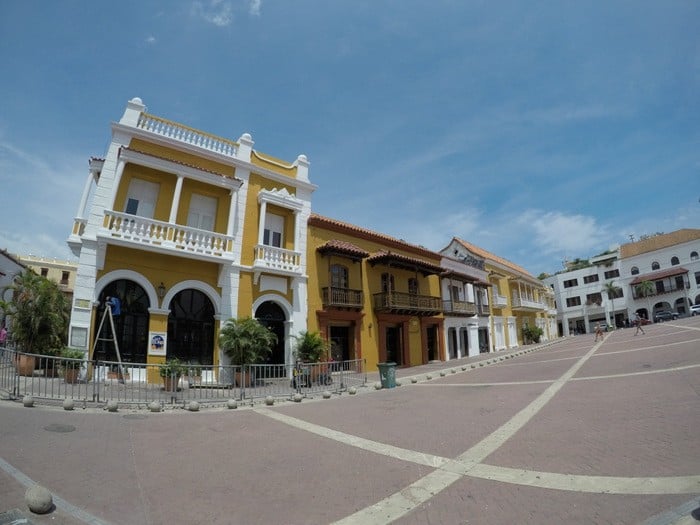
(342, 298)
(459, 308)
(407, 304)
(145, 233)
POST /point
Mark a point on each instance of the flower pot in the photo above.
(25, 365)
(170, 383)
(70, 375)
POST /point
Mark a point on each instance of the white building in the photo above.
(607, 289)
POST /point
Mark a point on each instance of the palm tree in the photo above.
(245, 341)
(645, 289)
(613, 291)
(39, 313)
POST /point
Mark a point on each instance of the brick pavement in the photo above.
(463, 448)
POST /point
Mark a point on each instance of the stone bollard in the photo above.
(326, 395)
(269, 401)
(352, 390)
(28, 401)
(414, 380)
(154, 406)
(377, 386)
(38, 499)
(193, 406)
(112, 405)
(231, 403)
(298, 397)
(68, 403)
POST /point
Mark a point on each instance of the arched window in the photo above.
(675, 261)
(191, 328)
(130, 324)
(634, 271)
(655, 265)
(339, 276)
(693, 256)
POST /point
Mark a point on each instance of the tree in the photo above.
(646, 289)
(39, 313)
(311, 347)
(245, 341)
(613, 291)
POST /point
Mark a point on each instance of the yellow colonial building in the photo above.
(186, 230)
(372, 296)
(181, 230)
(516, 299)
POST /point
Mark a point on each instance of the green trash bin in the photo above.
(387, 374)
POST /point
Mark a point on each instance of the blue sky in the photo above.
(538, 130)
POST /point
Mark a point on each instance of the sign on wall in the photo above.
(157, 343)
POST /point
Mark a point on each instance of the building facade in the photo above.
(516, 299)
(185, 230)
(659, 273)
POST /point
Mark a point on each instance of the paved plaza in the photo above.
(569, 432)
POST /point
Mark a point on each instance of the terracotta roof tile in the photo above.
(350, 229)
(345, 247)
(494, 258)
(661, 274)
(387, 257)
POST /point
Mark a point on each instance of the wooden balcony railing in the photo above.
(458, 308)
(150, 232)
(342, 297)
(406, 303)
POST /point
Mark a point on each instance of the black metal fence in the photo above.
(95, 382)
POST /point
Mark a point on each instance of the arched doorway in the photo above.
(271, 315)
(131, 325)
(191, 328)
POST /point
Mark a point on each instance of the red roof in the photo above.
(342, 247)
(656, 276)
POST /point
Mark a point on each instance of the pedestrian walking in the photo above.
(638, 322)
(598, 332)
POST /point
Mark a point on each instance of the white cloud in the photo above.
(151, 39)
(255, 6)
(217, 12)
(565, 235)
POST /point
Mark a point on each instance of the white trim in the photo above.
(131, 275)
(191, 284)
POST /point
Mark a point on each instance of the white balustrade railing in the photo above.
(175, 131)
(143, 230)
(273, 258)
(524, 302)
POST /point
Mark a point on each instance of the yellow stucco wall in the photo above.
(363, 276)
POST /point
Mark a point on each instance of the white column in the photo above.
(232, 213)
(473, 335)
(176, 200)
(261, 224)
(296, 230)
(86, 191)
(117, 179)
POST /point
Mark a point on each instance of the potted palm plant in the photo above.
(39, 314)
(245, 341)
(171, 372)
(71, 361)
(312, 348)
